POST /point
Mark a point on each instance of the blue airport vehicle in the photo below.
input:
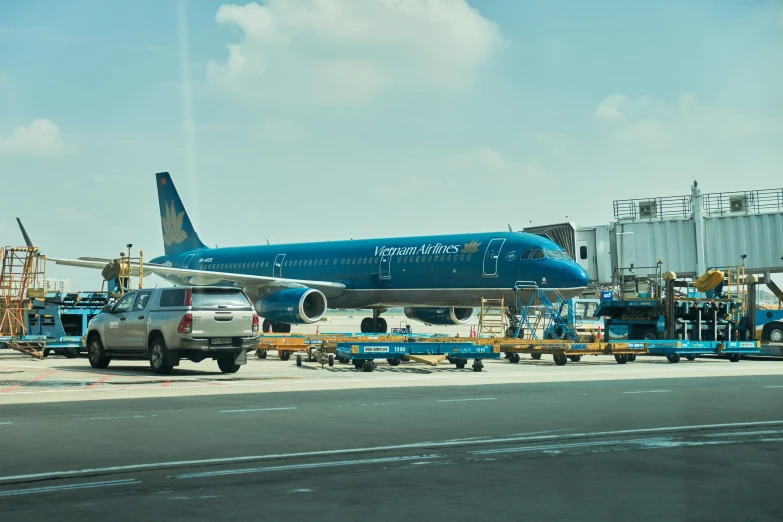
(675, 349)
(438, 279)
(363, 354)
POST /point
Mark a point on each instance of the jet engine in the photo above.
(293, 305)
(439, 316)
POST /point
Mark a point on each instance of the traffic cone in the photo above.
(270, 326)
(317, 330)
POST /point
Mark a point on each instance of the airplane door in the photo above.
(186, 261)
(385, 267)
(491, 256)
(277, 268)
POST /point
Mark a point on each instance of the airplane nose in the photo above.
(576, 277)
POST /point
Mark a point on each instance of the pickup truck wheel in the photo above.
(158, 356)
(226, 363)
(96, 354)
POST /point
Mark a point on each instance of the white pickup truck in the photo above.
(165, 325)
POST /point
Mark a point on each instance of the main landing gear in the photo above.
(276, 327)
(374, 324)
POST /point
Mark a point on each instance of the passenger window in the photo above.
(526, 254)
(467, 258)
(353, 261)
(429, 259)
(448, 257)
(462, 257)
(417, 259)
(335, 262)
(538, 254)
(582, 252)
(320, 262)
(343, 261)
(141, 301)
(124, 304)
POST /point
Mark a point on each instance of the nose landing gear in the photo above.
(374, 324)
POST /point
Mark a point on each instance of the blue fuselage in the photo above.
(453, 270)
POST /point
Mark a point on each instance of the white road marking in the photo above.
(115, 418)
(474, 399)
(396, 447)
(300, 491)
(66, 487)
(258, 409)
(304, 466)
(773, 386)
(741, 433)
(5, 423)
(648, 391)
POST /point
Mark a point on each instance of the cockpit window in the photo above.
(555, 254)
(538, 254)
(526, 254)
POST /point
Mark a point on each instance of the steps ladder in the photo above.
(492, 318)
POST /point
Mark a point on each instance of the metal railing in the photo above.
(653, 208)
(745, 202)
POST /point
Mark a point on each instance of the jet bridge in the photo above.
(688, 234)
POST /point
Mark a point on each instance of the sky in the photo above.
(323, 119)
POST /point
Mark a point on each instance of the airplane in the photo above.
(437, 279)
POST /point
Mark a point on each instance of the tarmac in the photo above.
(593, 440)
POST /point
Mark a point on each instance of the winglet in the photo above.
(24, 233)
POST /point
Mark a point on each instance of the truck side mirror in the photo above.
(107, 309)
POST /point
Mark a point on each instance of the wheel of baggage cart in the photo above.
(284, 355)
(673, 357)
(621, 358)
(575, 358)
(631, 357)
(298, 359)
(367, 366)
(536, 356)
(734, 357)
(331, 360)
(691, 357)
(393, 362)
(460, 363)
(560, 359)
(47, 351)
(261, 354)
(477, 365)
(513, 358)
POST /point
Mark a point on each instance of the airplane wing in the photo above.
(261, 284)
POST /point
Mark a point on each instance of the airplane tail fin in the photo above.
(178, 233)
(24, 233)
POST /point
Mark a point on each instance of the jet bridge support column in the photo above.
(671, 325)
(750, 306)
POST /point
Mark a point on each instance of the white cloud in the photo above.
(486, 160)
(656, 123)
(335, 52)
(554, 143)
(41, 138)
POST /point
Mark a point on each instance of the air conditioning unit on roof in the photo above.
(738, 203)
(648, 209)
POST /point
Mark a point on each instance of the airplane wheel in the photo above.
(367, 326)
(381, 326)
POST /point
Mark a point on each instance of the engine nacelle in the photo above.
(293, 306)
(439, 316)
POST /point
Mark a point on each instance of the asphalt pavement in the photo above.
(675, 449)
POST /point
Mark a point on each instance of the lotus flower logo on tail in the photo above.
(172, 226)
(471, 248)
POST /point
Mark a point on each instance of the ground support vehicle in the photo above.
(364, 353)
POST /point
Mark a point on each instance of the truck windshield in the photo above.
(585, 311)
(219, 298)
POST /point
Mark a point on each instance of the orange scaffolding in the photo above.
(22, 274)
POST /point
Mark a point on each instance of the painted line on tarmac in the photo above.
(647, 391)
(773, 386)
(341, 463)
(49, 489)
(473, 399)
(396, 447)
(258, 409)
(5, 423)
(35, 379)
(99, 381)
